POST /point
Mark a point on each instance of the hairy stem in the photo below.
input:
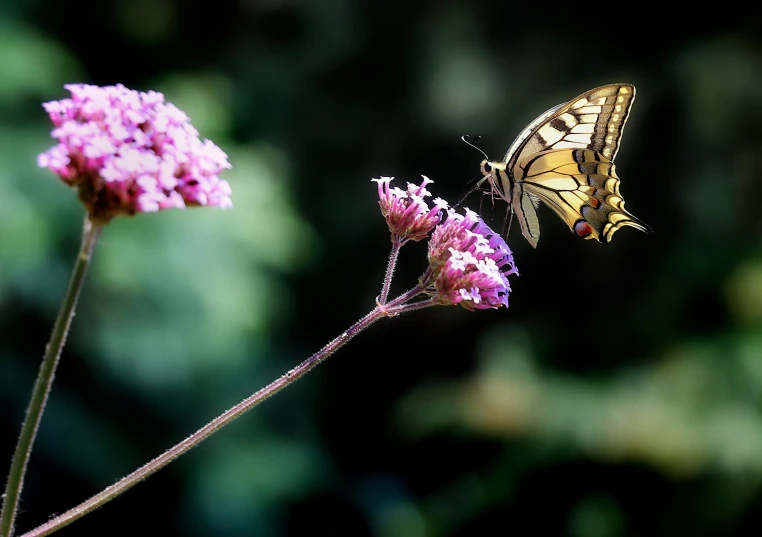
(390, 266)
(224, 419)
(45, 379)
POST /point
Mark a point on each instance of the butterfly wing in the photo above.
(594, 120)
(565, 159)
(524, 206)
(581, 186)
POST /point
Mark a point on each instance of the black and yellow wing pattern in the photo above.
(565, 158)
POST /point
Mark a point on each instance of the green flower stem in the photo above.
(45, 379)
(225, 418)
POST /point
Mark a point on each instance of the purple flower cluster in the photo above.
(406, 212)
(469, 263)
(128, 152)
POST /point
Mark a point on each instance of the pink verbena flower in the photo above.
(406, 212)
(129, 152)
(469, 263)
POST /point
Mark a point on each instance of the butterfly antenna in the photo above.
(466, 138)
(472, 142)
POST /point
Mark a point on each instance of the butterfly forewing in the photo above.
(528, 131)
(594, 120)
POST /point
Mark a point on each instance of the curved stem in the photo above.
(224, 419)
(45, 379)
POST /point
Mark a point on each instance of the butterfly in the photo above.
(565, 158)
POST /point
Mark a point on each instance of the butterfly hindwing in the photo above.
(582, 187)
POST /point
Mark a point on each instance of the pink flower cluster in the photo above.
(128, 152)
(406, 212)
(470, 263)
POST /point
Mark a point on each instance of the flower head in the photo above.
(469, 263)
(406, 212)
(128, 152)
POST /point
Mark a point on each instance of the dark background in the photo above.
(620, 393)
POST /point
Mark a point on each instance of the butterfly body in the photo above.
(565, 158)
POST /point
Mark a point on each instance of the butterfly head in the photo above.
(487, 168)
(497, 183)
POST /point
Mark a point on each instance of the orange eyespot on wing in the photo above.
(583, 229)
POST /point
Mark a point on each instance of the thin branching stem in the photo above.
(397, 243)
(381, 311)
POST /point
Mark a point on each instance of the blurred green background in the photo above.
(619, 395)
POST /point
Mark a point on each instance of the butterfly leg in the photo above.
(471, 190)
(509, 219)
